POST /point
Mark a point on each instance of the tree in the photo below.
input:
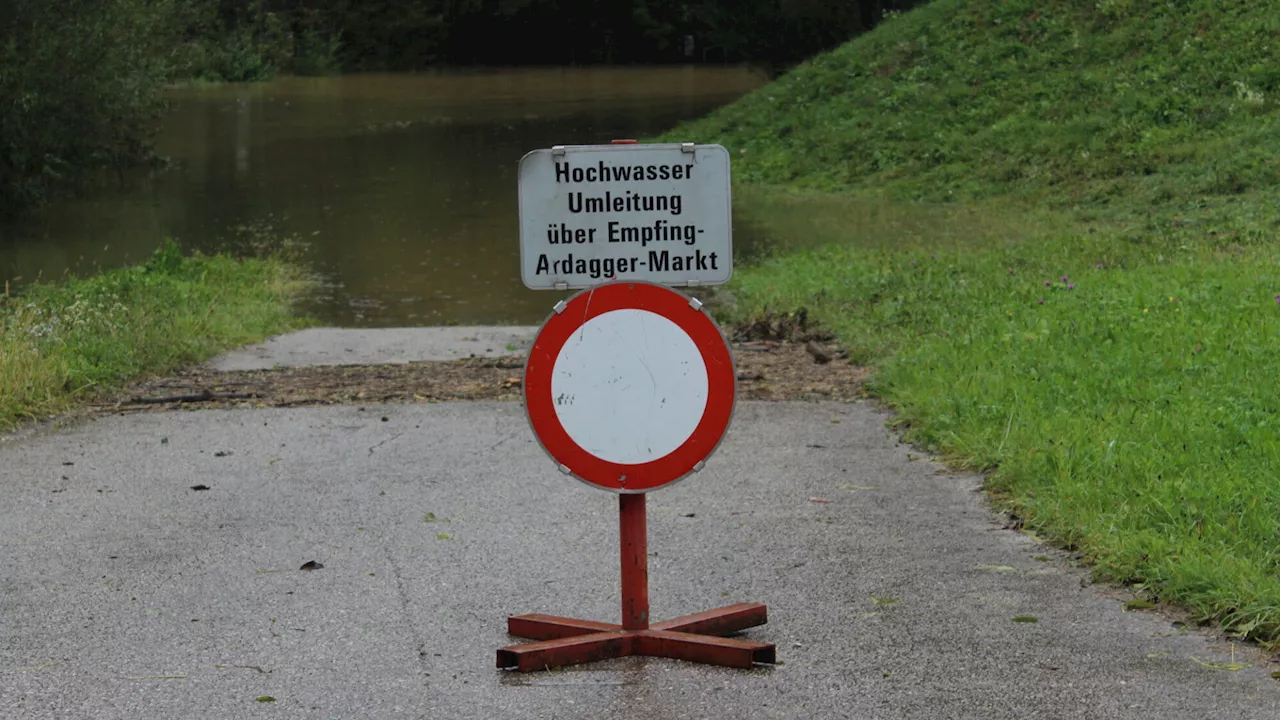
(80, 84)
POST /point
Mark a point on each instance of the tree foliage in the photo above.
(80, 88)
(413, 34)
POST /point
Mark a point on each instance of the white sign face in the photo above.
(593, 213)
(629, 386)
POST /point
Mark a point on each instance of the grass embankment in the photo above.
(62, 343)
(1051, 227)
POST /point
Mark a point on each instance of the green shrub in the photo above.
(242, 43)
(317, 49)
(77, 98)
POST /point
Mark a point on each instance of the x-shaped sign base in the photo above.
(565, 641)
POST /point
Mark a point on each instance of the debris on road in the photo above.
(773, 371)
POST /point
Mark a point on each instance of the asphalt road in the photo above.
(125, 593)
(379, 346)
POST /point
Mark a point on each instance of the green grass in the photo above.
(929, 185)
(63, 343)
(1129, 411)
(1113, 103)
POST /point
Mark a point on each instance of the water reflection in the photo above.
(404, 186)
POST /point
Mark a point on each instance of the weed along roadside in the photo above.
(62, 344)
(1064, 272)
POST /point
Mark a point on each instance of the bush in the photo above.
(316, 49)
(77, 98)
(243, 43)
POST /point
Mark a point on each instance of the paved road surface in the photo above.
(348, 346)
(125, 594)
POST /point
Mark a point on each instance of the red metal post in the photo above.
(633, 531)
(568, 641)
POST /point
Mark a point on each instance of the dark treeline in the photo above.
(243, 38)
(81, 80)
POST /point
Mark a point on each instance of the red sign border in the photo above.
(721, 386)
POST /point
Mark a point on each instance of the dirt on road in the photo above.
(766, 370)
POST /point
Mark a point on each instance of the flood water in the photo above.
(402, 186)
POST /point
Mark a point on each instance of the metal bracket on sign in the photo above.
(560, 285)
(695, 303)
(559, 307)
(564, 469)
(687, 147)
(701, 464)
(557, 149)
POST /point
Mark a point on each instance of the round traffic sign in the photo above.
(629, 386)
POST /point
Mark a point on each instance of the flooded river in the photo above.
(402, 186)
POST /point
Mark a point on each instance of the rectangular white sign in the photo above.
(593, 213)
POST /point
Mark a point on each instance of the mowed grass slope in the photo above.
(1054, 230)
(1107, 102)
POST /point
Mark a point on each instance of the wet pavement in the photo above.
(128, 592)
(324, 346)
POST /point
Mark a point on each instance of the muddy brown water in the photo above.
(403, 187)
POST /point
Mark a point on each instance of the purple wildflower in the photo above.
(1047, 283)
(1071, 286)
(1098, 266)
(1064, 278)
(1041, 301)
